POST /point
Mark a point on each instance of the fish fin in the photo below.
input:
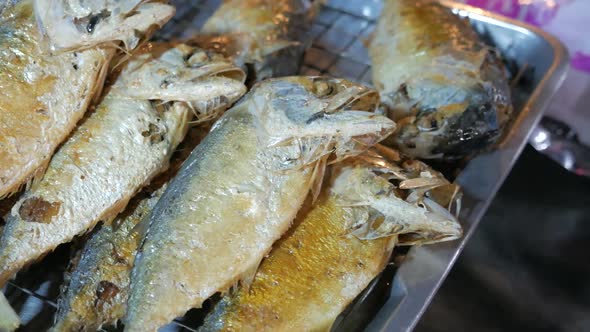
(9, 320)
(337, 119)
(179, 116)
(317, 178)
(249, 275)
(140, 231)
(37, 175)
(101, 77)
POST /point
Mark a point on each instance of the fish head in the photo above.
(453, 114)
(320, 114)
(175, 72)
(82, 24)
(389, 197)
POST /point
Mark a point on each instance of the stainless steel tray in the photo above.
(395, 300)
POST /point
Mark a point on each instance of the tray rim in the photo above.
(415, 299)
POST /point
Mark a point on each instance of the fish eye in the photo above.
(323, 88)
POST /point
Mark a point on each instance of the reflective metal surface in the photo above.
(424, 268)
(558, 141)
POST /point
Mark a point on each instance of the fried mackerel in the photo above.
(44, 94)
(268, 37)
(447, 90)
(339, 245)
(117, 149)
(96, 286)
(241, 188)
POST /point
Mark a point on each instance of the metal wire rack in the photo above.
(338, 36)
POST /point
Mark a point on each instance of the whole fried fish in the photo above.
(266, 36)
(446, 89)
(241, 188)
(96, 287)
(44, 95)
(322, 264)
(116, 151)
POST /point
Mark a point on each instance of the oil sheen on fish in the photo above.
(267, 36)
(446, 89)
(44, 95)
(96, 287)
(116, 151)
(241, 188)
(321, 265)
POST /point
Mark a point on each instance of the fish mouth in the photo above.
(379, 178)
(438, 133)
(474, 129)
(227, 70)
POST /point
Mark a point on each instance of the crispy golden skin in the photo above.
(337, 247)
(42, 96)
(309, 277)
(118, 149)
(241, 188)
(96, 286)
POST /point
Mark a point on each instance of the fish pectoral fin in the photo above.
(317, 178)
(249, 274)
(9, 320)
(140, 231)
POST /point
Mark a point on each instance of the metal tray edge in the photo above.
(414, 299)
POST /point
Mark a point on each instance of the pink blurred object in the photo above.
(566, 19)
(533, 12)
(569, 20)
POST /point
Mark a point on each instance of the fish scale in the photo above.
(233, 197)
(322, 264)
